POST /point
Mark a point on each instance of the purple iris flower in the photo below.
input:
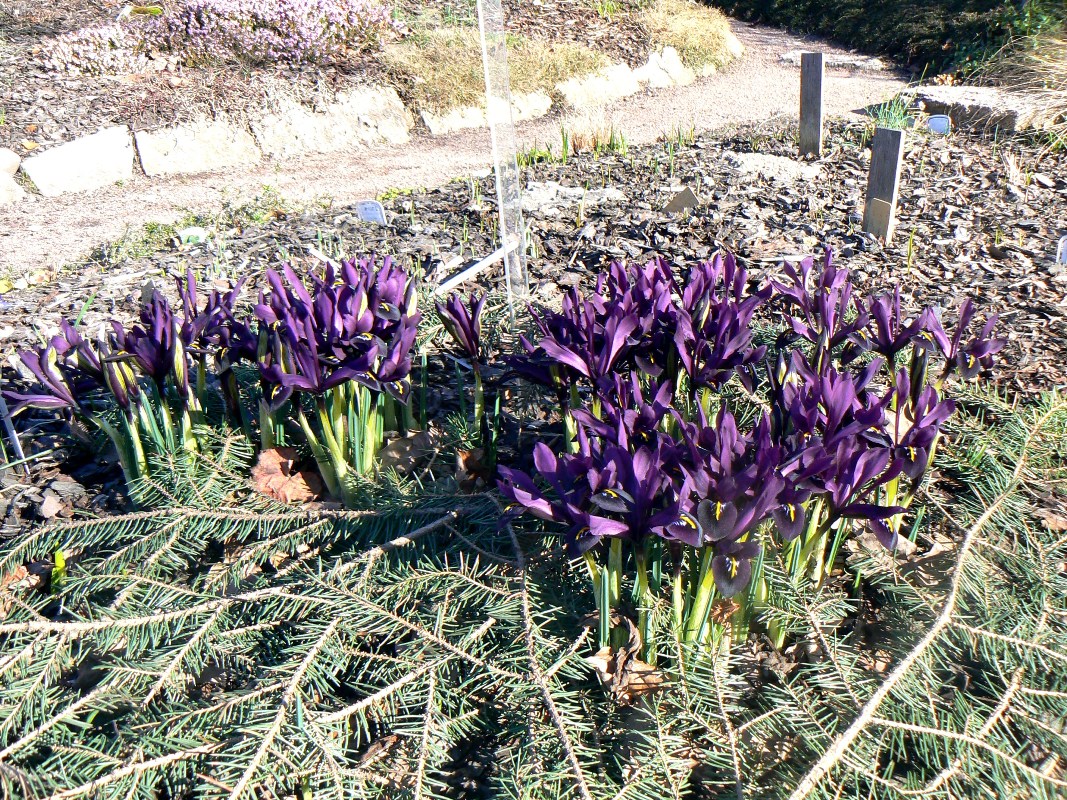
(626, 419)
(731, 477)
(215, 328)
(968, 358)
(732, 565)
(356, 322)
(54, 390)
(464, 322)
(598, 353)
(916, 425)
(574, 479)
(820, 313)
(713, 333)
(888, 335)
(154, 345)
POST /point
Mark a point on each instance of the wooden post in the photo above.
(883, 183)
(811, 74)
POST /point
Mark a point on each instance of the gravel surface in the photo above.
(48, 233)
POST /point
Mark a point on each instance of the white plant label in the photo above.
(939, 123)
(371, 211)
(1061, 251)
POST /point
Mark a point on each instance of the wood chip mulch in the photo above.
(978, 217)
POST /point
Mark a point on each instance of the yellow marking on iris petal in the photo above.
(792, 514)
(718, 510)
(733, 567)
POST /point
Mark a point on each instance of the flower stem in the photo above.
(705, 593)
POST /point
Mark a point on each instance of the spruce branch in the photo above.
(867, 714)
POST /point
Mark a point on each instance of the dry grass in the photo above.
(592, 130)
(700, 34)
(1036, 65)
(442, 70)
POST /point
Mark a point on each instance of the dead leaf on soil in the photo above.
(406, 454)
(472, 473)
(627, 676)
(1053, 521)
(273, 476)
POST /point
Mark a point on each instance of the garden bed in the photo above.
(972, 222)
(826, 559)
(49, 100)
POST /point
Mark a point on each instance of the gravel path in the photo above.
(51, 232)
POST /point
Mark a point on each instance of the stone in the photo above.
(91, 162)
(202, 146)
(456, 119)
(777, 168)
(550, 198)
(10, 191)
(609, 84)
(985, 106)
(839, 61)
(365, 115)
(664, 69)
(9, 162)
(523, 107)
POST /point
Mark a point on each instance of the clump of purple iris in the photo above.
(840, 431)
(343, 341)
(333, 355)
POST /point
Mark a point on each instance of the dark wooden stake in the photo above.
(811, 74)
(883, 183)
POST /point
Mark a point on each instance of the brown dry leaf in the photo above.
(472, 473)
(273, 476)
(723, 609)
(1056, 523)
(628, 676)
(406, 454)
(29, 145)
(50, 506)
(10, 582)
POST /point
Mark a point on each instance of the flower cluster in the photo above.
(219, 31)
(108, 48)
(255, 31)
(841, 411)
(333, 356)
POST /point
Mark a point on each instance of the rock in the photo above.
(530, 106)
(91, 162)
(664, 70)
(361, 116)
(10, 191)
(523, 107)
(839, 61)
(9, 162)
(550, 197)
(601, 88)
(770, 167)
(985, 106)
(201, 146)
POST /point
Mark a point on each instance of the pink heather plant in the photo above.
(213, 31)
(264, 31)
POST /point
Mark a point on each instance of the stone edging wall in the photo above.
(360, 116)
